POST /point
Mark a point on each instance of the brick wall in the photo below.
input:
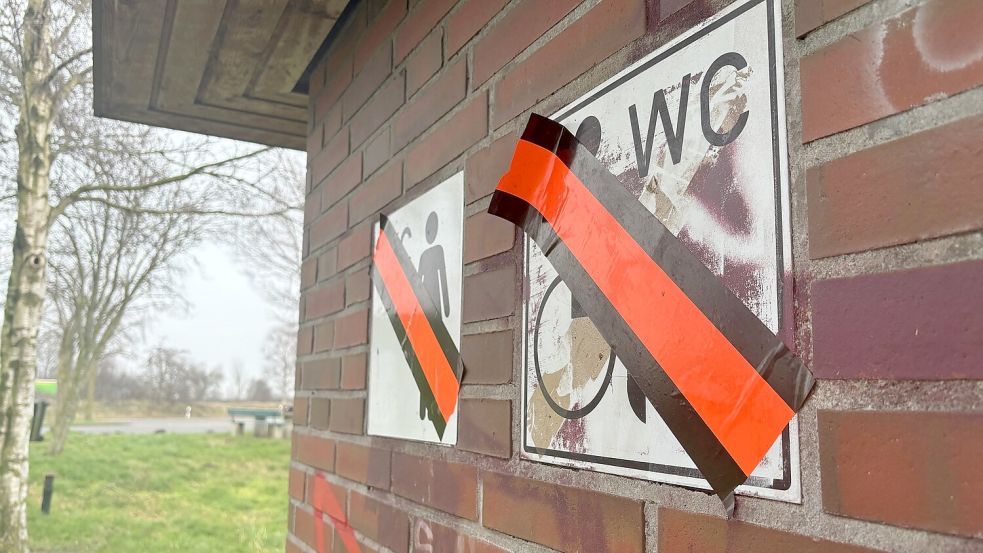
(885, 118)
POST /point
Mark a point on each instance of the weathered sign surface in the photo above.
(696, 132)
(414, 367)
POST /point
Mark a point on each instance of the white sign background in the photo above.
(394, 398)
(739, 229)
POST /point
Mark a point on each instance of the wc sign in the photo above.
(696, 133)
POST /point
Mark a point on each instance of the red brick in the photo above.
(451, 139)
(489, 295)
(328, 299)
(305, 527)
(912, 469)
(564, 518)
(320, 374)
(485, 427)
(922, 186)
(382, 188)
(602, 31)
(352, 329)
(916, 324)
(378, 110)
(424, 63)
(357, 286)
(300, 411)
(338, 67)
(347, 415)
(329, 225)
(487, 357)
(312, 207)
(520, 27)
(486, 235)
(369, 465)
(313, 451)
(421, 20)
(380, 522)
(305, 340)
(811, 14)
(320, 413)
(447, 91)
(325, 161)
(431, 536)
(308, 272)
(468, 20)
(315, 139)
(326, 263)
(343, 180)
(323, 336)
(353, 372)
(376, 153)
(375, 72)
(331, 122)
(890, 70)
(683, 532)
(484, 168)
(377, 35)
(355, 246)
(336, 84)
(449, 487)
(291, 547)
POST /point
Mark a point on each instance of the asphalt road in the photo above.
(151, 426)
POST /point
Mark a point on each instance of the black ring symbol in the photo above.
(565, 413)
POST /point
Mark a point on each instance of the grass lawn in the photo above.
(161, 492)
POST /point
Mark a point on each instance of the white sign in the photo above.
(696, 131)
(430, 230)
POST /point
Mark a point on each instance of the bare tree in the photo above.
(60, 157)
(280, 352)
(238, 382)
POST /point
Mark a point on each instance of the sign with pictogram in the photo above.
(414, 359)
(651, 322)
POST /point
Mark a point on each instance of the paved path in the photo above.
(150, 426)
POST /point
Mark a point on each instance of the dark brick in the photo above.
(424, 63)
(353, 372)
(320, 374)
(380, 522)
(355, 246)
(922, 186)
(561, 517)
(486, 235)
(347, 415)
(325, 161)
(378, 110)
(352, 329)
(315, 139)
(357, 286)
(376, 153)
(487, 357)
(369, 465)
(313, 451)
(308, 272)
(520, 27)
(343, 180)
(682, 532)
(377, 36)
(890, 70)
(484, 168)
(468, 20)
(329, 225)
(305, 340)
(489, 295)
(811, 14)
(382, 188)
(916, 324)
(326, 263)
(602, 31)
(421, 20)
(450, 487)
(431, 104)
(448, 141)
(913, 469)
(485, 426)
(431, 536)
(375, 72)
(320, 413)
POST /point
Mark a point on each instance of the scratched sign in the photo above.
(696, 132)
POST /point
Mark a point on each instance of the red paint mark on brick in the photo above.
(913, 469)
(926, 53)
(323, 501)
(916, 324)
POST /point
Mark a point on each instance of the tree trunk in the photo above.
(67, 408)
(26, 287)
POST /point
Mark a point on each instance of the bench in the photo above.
(265, 420)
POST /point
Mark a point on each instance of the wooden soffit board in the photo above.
(220, 67)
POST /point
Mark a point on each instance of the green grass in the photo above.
(161, 493)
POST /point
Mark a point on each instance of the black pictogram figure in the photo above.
(433, 273)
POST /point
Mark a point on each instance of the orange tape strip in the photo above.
(738, 406)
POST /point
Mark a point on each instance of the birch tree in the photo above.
(58, 156)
